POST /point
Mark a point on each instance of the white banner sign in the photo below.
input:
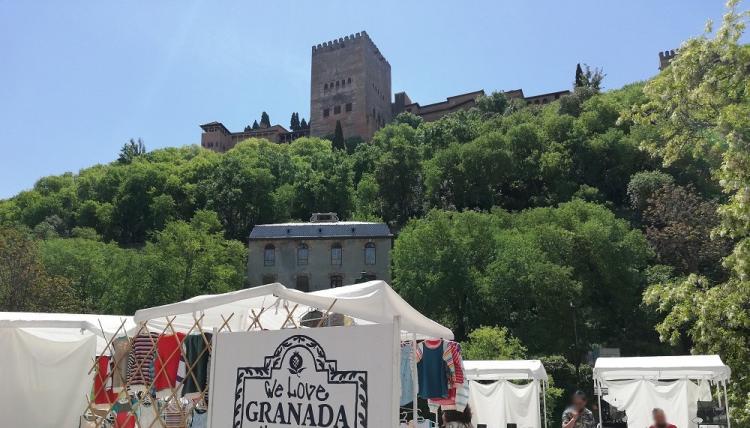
(338, 377)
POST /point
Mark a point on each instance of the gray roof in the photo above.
(339, 229)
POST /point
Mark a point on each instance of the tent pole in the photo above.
(598, 388)
(414, 380)
(396, 374)
(544, 400)
(726, 404)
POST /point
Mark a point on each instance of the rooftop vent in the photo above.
(324, 218)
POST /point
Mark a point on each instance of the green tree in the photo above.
(131, 150)
(701, 109)
(643, 185)
(255, 125)
(492, 343)
(194, 258)
(294, 123)
(338, 137)
(304, 124)
(265, 121)
(495, 103)
(398, 173)
(24, 283)
(579, 80)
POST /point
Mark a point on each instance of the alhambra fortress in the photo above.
(351, 83)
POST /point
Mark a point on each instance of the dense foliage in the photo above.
(603, 219)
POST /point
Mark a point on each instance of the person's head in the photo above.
(456, 416)
(660, 418)
(578, 400)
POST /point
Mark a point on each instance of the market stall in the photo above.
(502, 393)
(48, 364)
(255, 356)
(676, 384)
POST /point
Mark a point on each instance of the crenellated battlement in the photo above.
(666, 57)
(342, 42)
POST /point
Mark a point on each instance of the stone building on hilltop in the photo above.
(350, 83)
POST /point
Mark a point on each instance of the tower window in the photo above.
(326, 112)
(336, 109)
(348, 106)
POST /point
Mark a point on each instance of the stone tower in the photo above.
(665, 58)
(351, 83)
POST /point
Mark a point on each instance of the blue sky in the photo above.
(79, 78)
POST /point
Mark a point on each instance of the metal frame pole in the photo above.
(544, 401)
(598, 389)
(414, 380)
(726, 404)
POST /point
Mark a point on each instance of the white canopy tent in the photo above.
(48, 361)
(274, 307)
(70, 327)
(372, 302)
(503, 371)
(684, 368)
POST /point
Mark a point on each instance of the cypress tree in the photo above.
(338, 137)
(294, 123)
(255, 125)
(580, 78)
(265, 121)
(303, 124)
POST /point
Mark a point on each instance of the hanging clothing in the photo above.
(197, 356)
(124, 415)
(167, 360)
(200, 418)
(146, 410)
(102, 392)
(458, 393)
(120, 356)
(141, 358)
(407, 381)
(432, 370)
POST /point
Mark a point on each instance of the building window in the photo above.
(337, 254)
(303, 283)
(337, 83)
(349, 80)
(343, 83)
(325, 86)
(336, 109)
(303, 253)
(269, 279)
(269, 255)
(326, 112)
(337, 281)
(348, 106)
(370, 253)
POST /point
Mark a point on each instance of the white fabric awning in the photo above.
(69, 327)
(505, 369)
(366, 303)
(708, 367)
